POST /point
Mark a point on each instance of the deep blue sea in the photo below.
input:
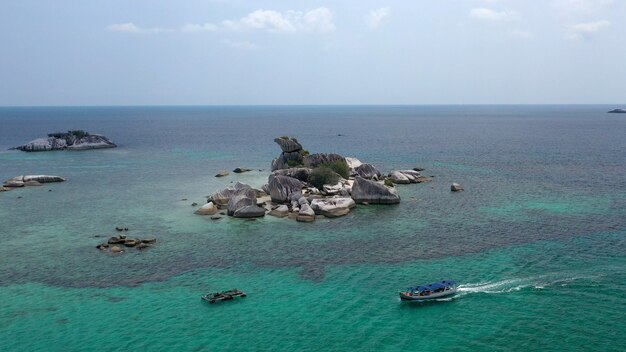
(537, 240)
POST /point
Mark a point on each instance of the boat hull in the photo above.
(406, 297)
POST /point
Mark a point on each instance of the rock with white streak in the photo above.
(306, 214)
(207, 209)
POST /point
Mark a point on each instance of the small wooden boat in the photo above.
(223, 296)
(430, 291)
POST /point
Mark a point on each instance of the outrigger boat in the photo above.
(223, 296)
(431, 291)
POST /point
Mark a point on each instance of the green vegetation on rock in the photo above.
(323, 175)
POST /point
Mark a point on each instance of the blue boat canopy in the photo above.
(433, 286)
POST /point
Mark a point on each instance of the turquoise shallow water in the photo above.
(536, 241)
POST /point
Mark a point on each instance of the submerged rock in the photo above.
(71, 140)
(373, 192)
(455, 187)
(222, 173)
(241, 170)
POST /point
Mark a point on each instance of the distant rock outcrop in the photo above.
(32, 180)
(618, 111)
(71, 140)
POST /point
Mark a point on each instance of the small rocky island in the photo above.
(618, 111)
(70, 140)
(304, 185)
(29, 180)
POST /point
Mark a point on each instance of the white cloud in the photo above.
(132, 28)
(317, 20)
(493, 15)
(192, 27)
(573, 8)
(243, 45)
(581, 30)
(376, 18)
(521, 34)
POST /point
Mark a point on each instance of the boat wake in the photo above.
(512, 285)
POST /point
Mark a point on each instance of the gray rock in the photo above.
(222, 173)
(332, 207)
(281, 211)
(77, 140)
(423, 179)
(618, 111)
(207, 209)
(288, 145)
(287, 160)
(332, 189)
(368, 171)
(300, 173)
(249, 211)
(241, 170)
(315, 160)
(306, 214)
(455, 187)
(372, 192)
(281, 187)
(302, 201)
(43, 178)
(399, 178)
(14, 183)
(353, 163)
(418, 169)
(241, 198)
(222, 197)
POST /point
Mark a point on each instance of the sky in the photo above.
(234, 52)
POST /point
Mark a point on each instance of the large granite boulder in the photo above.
(287, 160)
(368, 171)
(353, 163)
(288, 145)
(281, 187)
(71, 140)
(399, 177)
(241, 198)
(300, 173)
(249, 211)
(223, 197)
(315, 160)
(366, 191)
(306, 214)
(207, 209)
(281, 211)
(332, 207)
(404, 176)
